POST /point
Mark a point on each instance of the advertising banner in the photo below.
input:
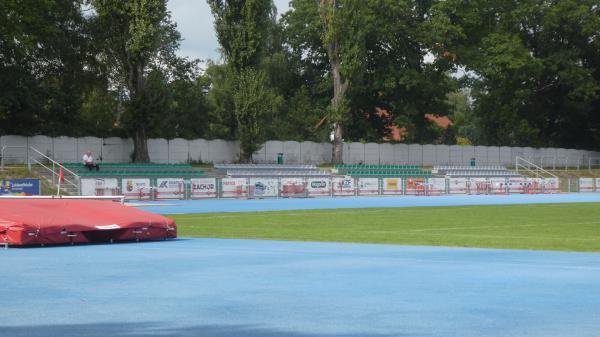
(479, 186)
(170, 188)
(203, 188)
(343, 186)
(415, 186)
(292, 187)
(100, 186)
(458, 186)
(20, 187)
(136, 188)
(263, 187)
(517, 185)
(534, 185)
(552, 185)
(586, 184)
(368, 186)
(318, 187)
(392, 186)
(597, 184)
(234, 187)
(497, 185)
(436, 185)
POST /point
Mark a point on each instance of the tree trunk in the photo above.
(140, 146)
(340, 84)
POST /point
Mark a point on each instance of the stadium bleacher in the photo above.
(474, 171)
(270, 170)
(382, 170)
(136, 170)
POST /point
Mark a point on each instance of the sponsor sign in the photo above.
(586, 184)
(415, 186)
(368, 186)
(203, 188)
(318, 187)
(534, 185)
(517, 185)
(392, 186)
(458, 185)
(292, 187)
(20, 187)
(597, 184)
(552, 185)
(263, 187)
(479, 186)
(234, 187)
(170, 188)
(343, 186)
(100, 186)
(497, 185)
(136, 188)
(436, 185)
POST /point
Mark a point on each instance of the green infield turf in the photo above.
(568, 227)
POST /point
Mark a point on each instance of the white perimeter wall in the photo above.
(69, 149)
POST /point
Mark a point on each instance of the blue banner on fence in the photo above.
(20, 187)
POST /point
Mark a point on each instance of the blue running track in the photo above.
(233, 205)
(244, 288)
(252, 288)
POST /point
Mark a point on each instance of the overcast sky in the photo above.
(195, 23)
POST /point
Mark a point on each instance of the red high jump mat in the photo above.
(60, 221)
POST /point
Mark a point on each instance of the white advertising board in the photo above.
(368, 186)
(552, 185)
(392, 186)
(343, 186)
(458, 185)
(586, 184)
(263, 187)
(436, 185)
(136, 188)
(479, 186)
(100, 186)
(291, 187)
(234, 187)
(318, 187)
(597, 184)
(497, 185)
(203, 188)
(170, 188)
(517, 185)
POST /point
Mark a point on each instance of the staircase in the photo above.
(52, 179)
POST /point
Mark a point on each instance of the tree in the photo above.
(46, 66)
(138, 36)
(535, 66)
(243, 29)
(372, 55)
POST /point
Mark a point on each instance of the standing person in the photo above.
(88, 161)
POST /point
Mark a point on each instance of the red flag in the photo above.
(61, 176)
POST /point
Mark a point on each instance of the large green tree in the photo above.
(46, 67)
(136, 37)
(534, 67)
(243, 29)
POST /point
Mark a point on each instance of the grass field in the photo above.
(567, 227)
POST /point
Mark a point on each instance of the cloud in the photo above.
(195, 23)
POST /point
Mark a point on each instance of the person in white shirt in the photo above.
(88, 161)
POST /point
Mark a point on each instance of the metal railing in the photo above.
(529, 167)
(35, 157)
(70, 178)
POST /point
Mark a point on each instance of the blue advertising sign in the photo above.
(20, 187)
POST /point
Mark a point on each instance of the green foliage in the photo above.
(253, 100)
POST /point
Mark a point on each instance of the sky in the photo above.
(195, 23)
